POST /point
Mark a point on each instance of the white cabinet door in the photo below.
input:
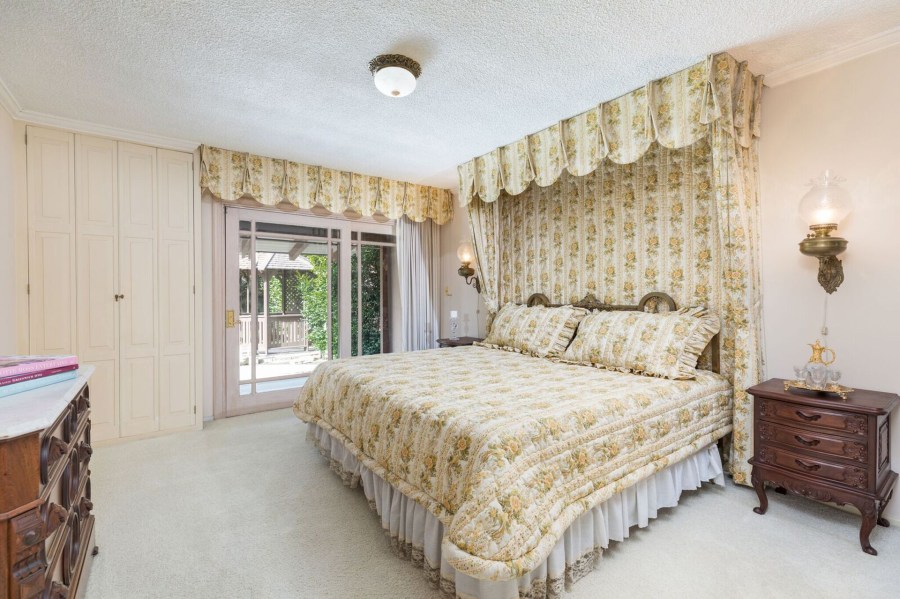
(138, 354)
(50, 160)
(96, 176)
(176, 295)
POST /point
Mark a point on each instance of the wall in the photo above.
(845, 118)
(7, 235)
(455, 294)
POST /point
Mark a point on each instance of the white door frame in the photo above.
(225, 228)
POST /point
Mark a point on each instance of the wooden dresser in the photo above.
(825, 448)
(46, 524)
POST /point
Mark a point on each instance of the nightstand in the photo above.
(458, 342)
(825, 448)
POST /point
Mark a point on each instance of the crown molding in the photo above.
(12, 106)
(833, 58)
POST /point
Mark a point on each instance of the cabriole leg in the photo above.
(760, 488)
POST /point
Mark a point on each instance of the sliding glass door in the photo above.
(300, 291)
(370, 320)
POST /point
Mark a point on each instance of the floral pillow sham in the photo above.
(665, 344)
(537, 331)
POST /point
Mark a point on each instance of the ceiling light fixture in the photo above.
(395, 75)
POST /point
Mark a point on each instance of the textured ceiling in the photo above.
(290, 79)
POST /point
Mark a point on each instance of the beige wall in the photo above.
(455, 294)
(846, 118)
(7, 235)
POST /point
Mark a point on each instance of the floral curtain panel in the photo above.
(653, 191)
(232, 176)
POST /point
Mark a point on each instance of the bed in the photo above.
(505, 475)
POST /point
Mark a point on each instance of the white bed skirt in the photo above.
(416, 534)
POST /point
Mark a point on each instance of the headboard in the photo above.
(655, 301)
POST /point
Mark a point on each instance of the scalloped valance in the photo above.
(675, 111)
(231, 176)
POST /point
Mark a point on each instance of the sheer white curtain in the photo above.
(418, 249)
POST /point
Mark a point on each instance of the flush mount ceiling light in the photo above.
(395, 75)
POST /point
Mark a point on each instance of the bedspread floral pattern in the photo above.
(678, 212)
(507, 449)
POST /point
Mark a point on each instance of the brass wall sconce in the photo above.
(466, 254)
(824, 207)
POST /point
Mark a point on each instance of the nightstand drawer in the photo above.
(814, 441)
(852, 476)
(855, 424)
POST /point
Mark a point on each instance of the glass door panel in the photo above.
(370, 295)
(287, 297)
(300, 290)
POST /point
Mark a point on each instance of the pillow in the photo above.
(537, 331)
(666, 344)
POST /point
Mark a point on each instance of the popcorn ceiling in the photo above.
(290, 79)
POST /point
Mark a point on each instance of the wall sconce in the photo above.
(466, 254)
(824, 207)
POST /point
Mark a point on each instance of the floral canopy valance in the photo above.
(675, 111)
(232, 176)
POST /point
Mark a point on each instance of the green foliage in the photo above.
(371, 301)
(314, 291)
(313, 288)
(275, 294)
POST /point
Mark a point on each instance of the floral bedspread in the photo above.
(507, 449)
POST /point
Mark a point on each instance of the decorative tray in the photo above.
(834, 388)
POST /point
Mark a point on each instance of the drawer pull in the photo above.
(56, 516)
(808, 417)
(32, 537)
(807, 442)
(58, 591)
(85, 452)
(807, 467)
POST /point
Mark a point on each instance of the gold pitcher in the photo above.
(818, 354)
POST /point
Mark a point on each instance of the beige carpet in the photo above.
(247, 509)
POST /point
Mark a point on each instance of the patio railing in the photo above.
(275, 331)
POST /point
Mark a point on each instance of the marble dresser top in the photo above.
(35, 410)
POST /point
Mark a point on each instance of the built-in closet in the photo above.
(111, 274)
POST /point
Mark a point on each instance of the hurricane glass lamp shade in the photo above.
(465, 253)
(824, 207)
(395, 81)
(827, 203)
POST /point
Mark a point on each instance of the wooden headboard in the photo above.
(655, 301)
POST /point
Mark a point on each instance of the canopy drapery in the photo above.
(232, 176)
(660, 194)
(674, 111)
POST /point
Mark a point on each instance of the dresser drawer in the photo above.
(814, 441)
(851, 476)
(809, 416)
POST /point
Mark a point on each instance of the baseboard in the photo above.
(152, 435)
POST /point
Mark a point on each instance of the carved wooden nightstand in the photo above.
(825, 448)
(458, 342)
